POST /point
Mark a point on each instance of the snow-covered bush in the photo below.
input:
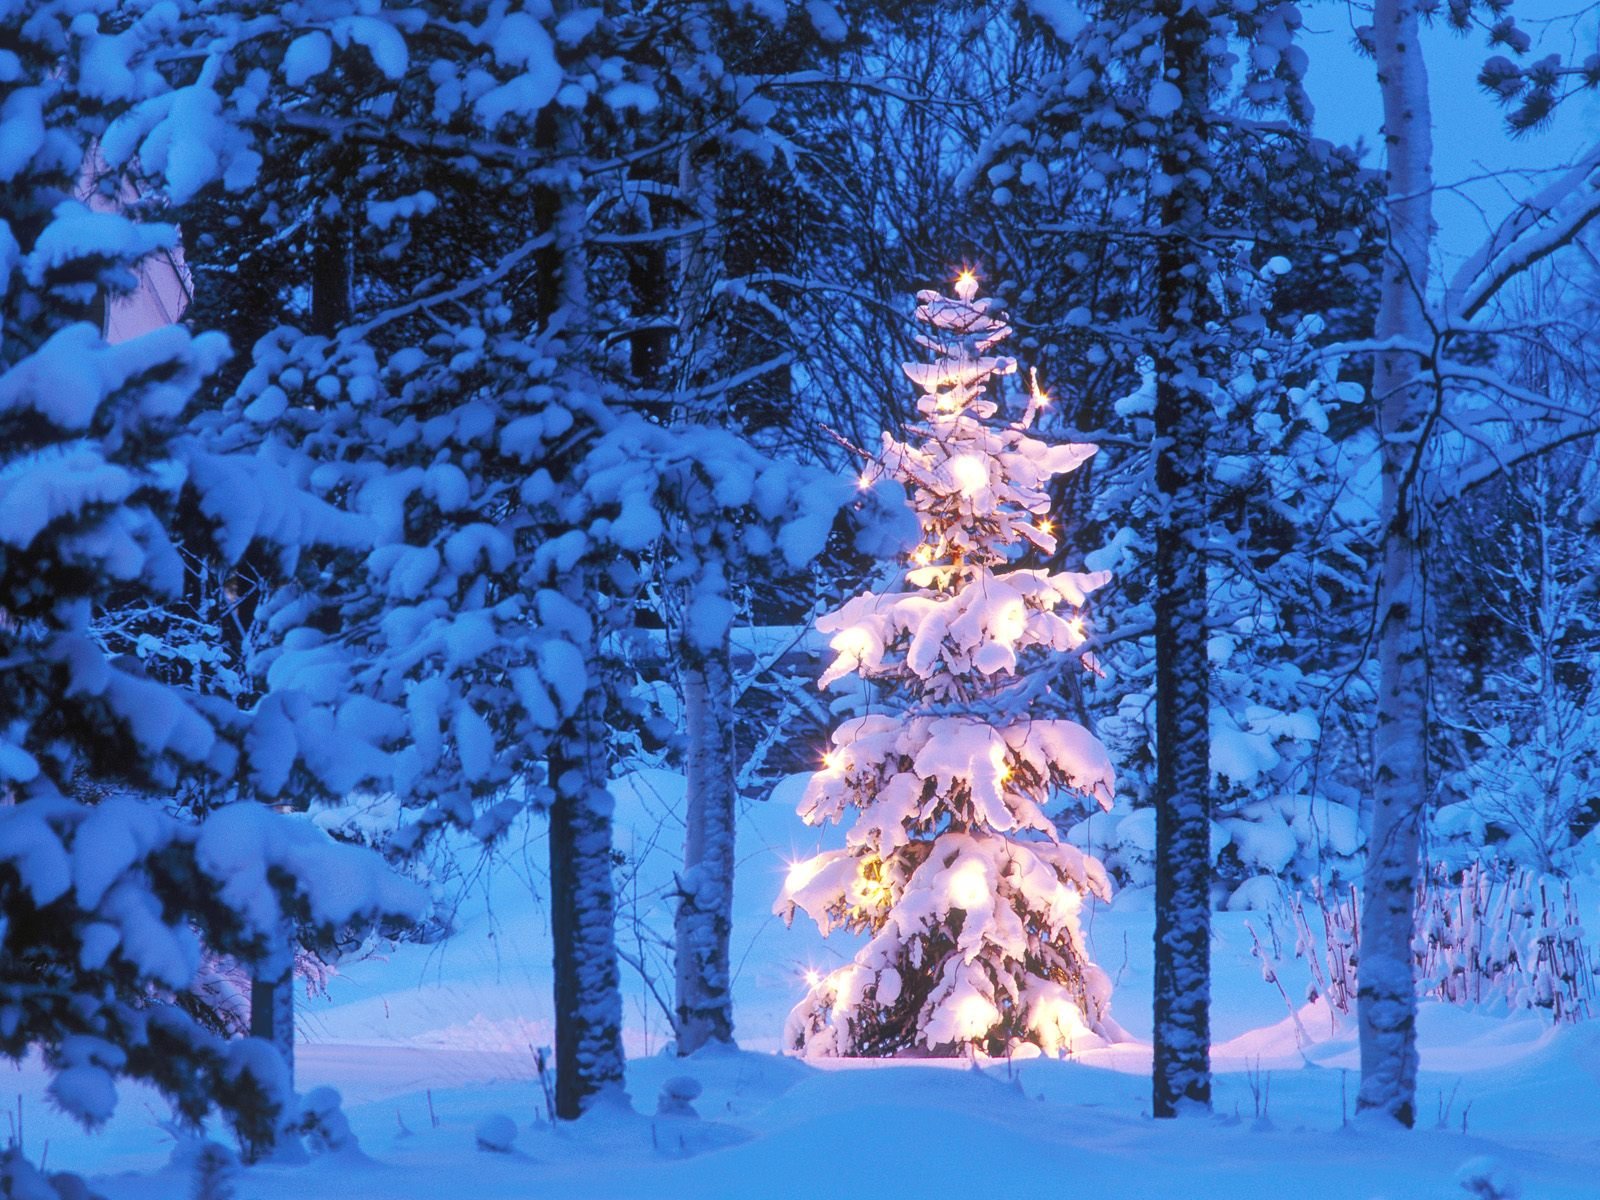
(21, 1180)
(322, 1122)
(952, 864)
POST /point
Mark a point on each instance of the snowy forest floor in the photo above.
(425, 1042)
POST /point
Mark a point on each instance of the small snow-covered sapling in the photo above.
(677, 1097)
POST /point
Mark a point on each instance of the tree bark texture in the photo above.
(1386, 1000)
(588, 997)
(703, 924)
(1181, 1069)
(703, 927)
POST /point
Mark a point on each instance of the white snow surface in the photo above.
(428, 1043)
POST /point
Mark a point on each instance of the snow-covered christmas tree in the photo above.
(952, 865)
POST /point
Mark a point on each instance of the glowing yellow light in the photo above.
(1046, 527)
(870, 893)
(966, 279)
(1059, 1023)
(1011, 623)
(812, 977)
(997, 758)
(970, 473)
(1041, 398)
(922, 556)
(864, 481)
(1075, 627)
(975, 1016)
(856, 641)
(832, 761)
(969, 886)
(801, 873)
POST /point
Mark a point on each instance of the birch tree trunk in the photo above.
(1181, 1068)
(1387, 1002)
(703, 924)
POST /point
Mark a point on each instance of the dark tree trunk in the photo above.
(1182, 1064)
(588, 997)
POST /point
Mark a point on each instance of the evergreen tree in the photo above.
(111, 885)
(952, 864)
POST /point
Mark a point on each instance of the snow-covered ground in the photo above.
(426, 1042)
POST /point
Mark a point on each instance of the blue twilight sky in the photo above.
(1469, 127)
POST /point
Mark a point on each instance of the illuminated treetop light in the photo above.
(952, 864)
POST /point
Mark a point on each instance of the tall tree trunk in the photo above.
(590, 1063)
(703, 924)
(588, 998)
(1387, 999)
(703, 927)
(1181, 1069)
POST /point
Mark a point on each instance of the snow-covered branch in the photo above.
(1539, 226)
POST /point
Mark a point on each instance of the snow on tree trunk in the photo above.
(703, 924)
(588, 996)
(704, 921)
(1181, 1066)
(952, 865)
(1387, 1006)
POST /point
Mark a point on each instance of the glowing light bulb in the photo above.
(801, 873)
(1046, 527)
(970, 473)
(922, 556)
(856, 641)
(1075, 627)
(975, 1016)
(812, 977)
(969, 886)
(832, 761)
(1039, 397)
(966, 284)
(864, 481)
(1011, 623)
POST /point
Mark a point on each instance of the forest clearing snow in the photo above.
(426, 1042)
